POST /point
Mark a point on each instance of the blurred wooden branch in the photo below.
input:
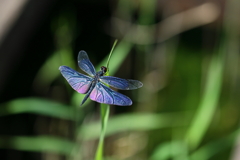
(19, 21)
(9, 12)
(169, 27)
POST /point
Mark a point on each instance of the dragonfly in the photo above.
(94, 85)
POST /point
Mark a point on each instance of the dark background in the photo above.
(175, 68)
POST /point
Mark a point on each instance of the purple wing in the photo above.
(103, 94)
(119, 83)
(85, 64)
(79, 82)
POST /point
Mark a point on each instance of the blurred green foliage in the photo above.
(188, 108)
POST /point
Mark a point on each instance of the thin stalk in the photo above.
(105, 109)
(110, 55)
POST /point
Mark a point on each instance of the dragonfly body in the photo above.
(94, 86)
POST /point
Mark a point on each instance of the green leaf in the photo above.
(136, 121)
(170, 150)
(208, 104)
(214, 147)
(49, 70)
(37, 144)
(37, 106)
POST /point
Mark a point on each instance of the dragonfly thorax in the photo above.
(100, 73)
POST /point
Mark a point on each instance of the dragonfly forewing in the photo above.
(85, 64)
(119, 83)
(79, 82)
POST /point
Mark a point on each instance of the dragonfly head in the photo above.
(104, 69)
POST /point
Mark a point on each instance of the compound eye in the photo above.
(104, 69)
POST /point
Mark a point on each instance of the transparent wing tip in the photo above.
(135, 84)
(61, 68)
(140, 84)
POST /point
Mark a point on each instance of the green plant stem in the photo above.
(110, 55)
(105, 109)
(104, 119)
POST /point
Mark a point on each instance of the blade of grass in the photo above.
(37, 144)
(37, 106)
(49, 71)
(135, 122)
(209, 102)
(169, 150)
(105, 109)
(212, 148)
(63, 28)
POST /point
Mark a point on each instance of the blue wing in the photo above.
(79, 82)
(103, 94)
(119, 83)
(85, 64)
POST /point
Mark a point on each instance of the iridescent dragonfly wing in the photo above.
(85, 64)
(103, 94)
(119, 83)
(79, 82)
